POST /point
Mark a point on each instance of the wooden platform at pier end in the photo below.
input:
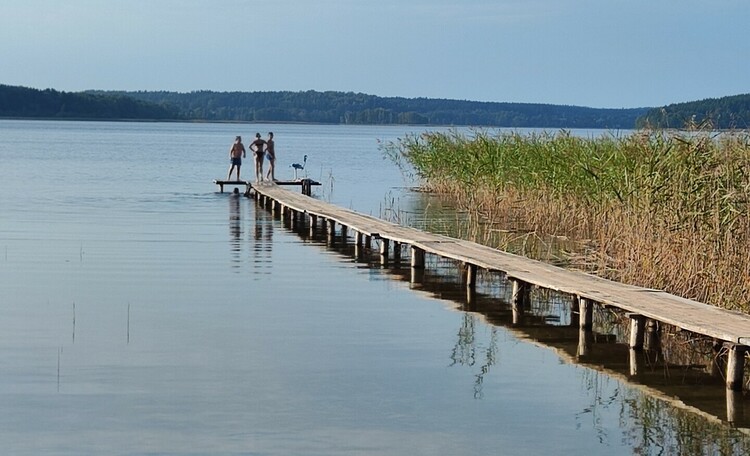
(305, 184)
(723, 325)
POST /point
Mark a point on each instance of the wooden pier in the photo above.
(642, 305)
(305, 184)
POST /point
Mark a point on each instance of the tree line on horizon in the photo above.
(359, 109)
(22, 102)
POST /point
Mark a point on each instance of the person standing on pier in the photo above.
(271, 153)
(258, 146)
(236, 154)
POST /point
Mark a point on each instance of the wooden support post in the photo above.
(635, 358)
(718, 366)
(575, 306)
(344, 234)
(384, 247)
(313, 224)
(586, 314)
(471, 276)
(471, 296)
(367, 241)
(521, 292)
(357, 239)
(417, 275)
(519, 298)
(293, 216)
(396, 250)
(653, 339)
(585, 340)
(735, 408)
(637, 331)
(736, 367)
(417, 258)
(331, 231)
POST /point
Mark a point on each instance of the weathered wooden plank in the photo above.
(652, 304)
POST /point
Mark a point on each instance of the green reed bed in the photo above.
(653, 208)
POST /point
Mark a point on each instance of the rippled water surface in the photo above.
(145, 313)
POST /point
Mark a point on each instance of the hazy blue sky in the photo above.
(598, 53)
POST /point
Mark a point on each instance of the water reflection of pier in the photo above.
(259, 238)
(684, 369)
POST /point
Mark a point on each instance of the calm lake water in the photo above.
(145, 313)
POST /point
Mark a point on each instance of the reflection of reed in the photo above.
(465, 351)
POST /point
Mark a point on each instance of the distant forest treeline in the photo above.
(22, 102)
(357, 108)
(724, 113)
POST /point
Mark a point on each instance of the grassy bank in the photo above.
(656, 209)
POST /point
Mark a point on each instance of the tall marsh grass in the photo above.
(652, 208)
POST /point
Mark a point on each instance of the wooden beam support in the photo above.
(736, 367)
(384, 247)
(586, 311)
(637, 331)
(417, 258)
(471, 276)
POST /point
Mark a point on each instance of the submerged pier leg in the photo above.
(384, 247)
(396, 251)
(520, 296)
(331, 231)
(586, 313)
(637, 331)
(653, 338)
(585, 341)
(313, 224)
(735, 408)
(471, 276)
(521, 292)
(635, 359)
(417, 258)
(736, 367)
(344, 233)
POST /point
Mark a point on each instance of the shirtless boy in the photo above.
(236, 154)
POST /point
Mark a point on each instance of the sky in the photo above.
(595, 53)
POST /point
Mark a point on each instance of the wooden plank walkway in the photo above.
(642, 304)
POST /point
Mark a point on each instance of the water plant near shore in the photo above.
(653, 208)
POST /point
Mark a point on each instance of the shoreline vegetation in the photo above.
(659, 209)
